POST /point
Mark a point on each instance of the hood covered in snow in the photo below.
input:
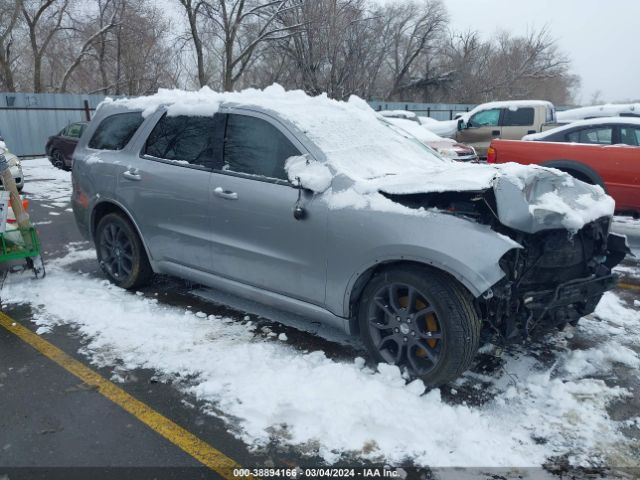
(528, 198)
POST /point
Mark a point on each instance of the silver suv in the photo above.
(321, 209)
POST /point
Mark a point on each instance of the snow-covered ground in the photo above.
(546, 400)
(551, 399)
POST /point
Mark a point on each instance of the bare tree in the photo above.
(143, 52)
(93, 38)
(9, 17)
(505, 67)
(194, 9)
(412, 30)
(397, 51)
(43, 19)
(242, 27)
(337, 50)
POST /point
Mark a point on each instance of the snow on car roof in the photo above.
(397, 114)
(584, 123)
(350, 134)
(357, 145)
(512, 104)
(607, 110)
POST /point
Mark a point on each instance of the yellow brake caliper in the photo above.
(431, 323)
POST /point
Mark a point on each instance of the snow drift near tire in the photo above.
(422, 320)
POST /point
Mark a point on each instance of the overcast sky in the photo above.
(600, 37)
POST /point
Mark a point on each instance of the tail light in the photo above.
(492, 155)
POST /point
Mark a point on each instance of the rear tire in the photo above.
(57, 160)
(421, 320)
(120, 252)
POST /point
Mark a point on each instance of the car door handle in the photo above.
(132, 175)
(226, 194)
(495, 133)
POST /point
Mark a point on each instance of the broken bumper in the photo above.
(568, 301)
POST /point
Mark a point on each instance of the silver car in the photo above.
(318, 208)
(16, 170)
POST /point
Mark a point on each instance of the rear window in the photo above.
(550, 115)
(114, 132)
(196, 140)
(519, 117)
(630, 135)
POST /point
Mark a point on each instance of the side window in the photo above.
(196, 140)
(596, 135)
(550, 115)
(114, 132)
(256, 147)
(630, 135)
(518, 117)
(485, 118)
(63, 132)
(74, 130)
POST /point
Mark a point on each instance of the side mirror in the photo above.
(309, 174)
(461, 124)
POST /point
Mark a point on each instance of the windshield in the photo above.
(359, 144)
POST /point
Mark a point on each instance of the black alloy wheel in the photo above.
(421, 320)
(120, 252)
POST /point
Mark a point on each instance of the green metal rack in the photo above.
(29, 248)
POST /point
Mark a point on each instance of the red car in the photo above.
(60, 147)
(616, 168)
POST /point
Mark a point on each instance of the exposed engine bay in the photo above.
(557, 277)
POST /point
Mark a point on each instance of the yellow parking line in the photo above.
(628, 286)
(192, 445)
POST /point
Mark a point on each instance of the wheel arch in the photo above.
(354, 293)
(577, 169)
(106, 207)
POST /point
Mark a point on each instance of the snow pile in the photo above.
(399, 114)
(270, 392)
(576, 210)
(444, 128)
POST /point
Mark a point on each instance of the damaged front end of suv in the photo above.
(565, 260)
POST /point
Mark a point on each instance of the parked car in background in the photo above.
(60, 147)
(507, 120)
(320, 208)
(15, 166)
(448, 148)
(598, 111)
(597, 131)
(616, 168)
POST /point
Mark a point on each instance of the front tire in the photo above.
(121, 254)
(421, 320)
